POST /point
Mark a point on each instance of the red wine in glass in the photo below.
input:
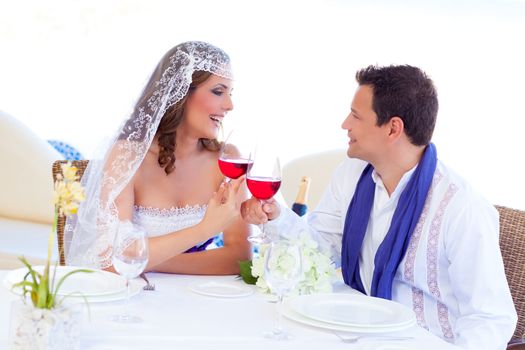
(235, 167)
(262, 187)
(263, 180)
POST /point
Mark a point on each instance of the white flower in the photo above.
(318, 270)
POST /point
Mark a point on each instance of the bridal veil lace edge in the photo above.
(88, 236)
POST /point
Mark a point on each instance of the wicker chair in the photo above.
(512, 243)
(516, 346)
(81, 165)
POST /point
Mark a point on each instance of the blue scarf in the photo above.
(393, 248)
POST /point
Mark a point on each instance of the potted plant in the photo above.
(40, 320)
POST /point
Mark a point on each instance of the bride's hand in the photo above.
(223, 207)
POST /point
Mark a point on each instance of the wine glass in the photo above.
(233, 161)
(282, 271)
(130, 257)
(263, 181)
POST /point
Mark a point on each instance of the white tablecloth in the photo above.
(177, 318)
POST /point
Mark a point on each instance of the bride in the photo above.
(160, 173)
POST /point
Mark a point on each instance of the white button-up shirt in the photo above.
(378, 225)
(452, 274)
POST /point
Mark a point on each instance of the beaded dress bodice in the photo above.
(158, 222)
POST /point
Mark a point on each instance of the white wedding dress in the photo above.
(158, 222)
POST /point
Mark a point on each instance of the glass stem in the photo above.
(126, 305)
(279, 324)
(263, 226)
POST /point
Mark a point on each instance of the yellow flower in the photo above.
(68, 191)
(67, 197)
(69, 172)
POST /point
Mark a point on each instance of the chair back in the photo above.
(319, 167)
(57, 169)
(512, 244)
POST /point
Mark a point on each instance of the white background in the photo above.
(71, 70)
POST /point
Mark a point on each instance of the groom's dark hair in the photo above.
(406, 92)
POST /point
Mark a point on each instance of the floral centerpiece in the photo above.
(318, 269)
(47, 324)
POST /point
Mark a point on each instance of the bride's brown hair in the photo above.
(167, 130)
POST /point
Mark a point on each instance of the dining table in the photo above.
(176, 316)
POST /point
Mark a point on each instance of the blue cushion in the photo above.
(68, 151)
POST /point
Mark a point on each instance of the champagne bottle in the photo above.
(300, 205)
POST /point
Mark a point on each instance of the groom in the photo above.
(400, 223)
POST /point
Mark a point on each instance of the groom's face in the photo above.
(366, 139)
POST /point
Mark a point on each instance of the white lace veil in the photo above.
(89, 236)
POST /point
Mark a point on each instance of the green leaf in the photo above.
(31, 272)
(246, 272)
(42, 294)
(24, 284)
(41, 289)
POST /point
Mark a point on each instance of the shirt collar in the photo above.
(400, 186)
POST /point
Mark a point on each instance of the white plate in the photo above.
(221, 289)
(294, 316)
(96, 283)
(352, 310)
(135, 287)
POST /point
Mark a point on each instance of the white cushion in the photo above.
(12, 261)
(23, 238)
(26, 185)
(318, 166)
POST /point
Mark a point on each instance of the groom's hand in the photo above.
(255, 212)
